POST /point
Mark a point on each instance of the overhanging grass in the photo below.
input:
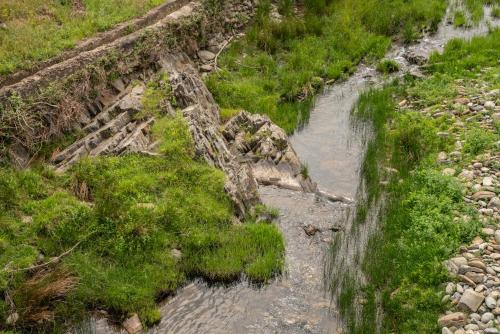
(422, 222)
(123, 219)
(37, 29)
(279, 66)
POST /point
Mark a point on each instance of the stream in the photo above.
(300, 301)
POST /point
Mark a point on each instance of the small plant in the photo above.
(227, 113)
(459, 19)
(495, 12)
(388, 66)
(478, 140)
(304, 171)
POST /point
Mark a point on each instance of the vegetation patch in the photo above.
(118, 233)
(387, 66)
(280, 65)
(424, 217)
(36, 30)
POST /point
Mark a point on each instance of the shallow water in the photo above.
(299, 302)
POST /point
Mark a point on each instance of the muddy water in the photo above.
(298, 302)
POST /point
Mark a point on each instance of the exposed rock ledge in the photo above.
(250, 149)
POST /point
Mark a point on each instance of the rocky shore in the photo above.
(473, 295)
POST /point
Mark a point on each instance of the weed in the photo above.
(388, 66)
(459, 19)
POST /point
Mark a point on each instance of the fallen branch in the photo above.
(220, 51)
(53, 260)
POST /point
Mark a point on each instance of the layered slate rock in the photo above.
(250, 149)
(265, 146)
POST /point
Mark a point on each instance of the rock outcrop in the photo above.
(254, 139)
(250, 149)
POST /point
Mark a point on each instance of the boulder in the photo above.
(457, 319)
(471, 300)
(133, 324)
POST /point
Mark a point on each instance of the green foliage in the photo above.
(125, 215)
(38, 30)
(459, 19)
(388, 66)
(495, 11)
(424, 218)
(460, 60)
(275, 69)
(478, 140)
(226, 114)
(157, 95)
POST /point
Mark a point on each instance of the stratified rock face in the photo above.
(202, 115)
(117, 129)
(250, 149)
(258, 141)
(111, 132)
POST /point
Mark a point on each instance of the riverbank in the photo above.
(425, 132)
(291, 52)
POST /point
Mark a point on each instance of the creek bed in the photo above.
(300, 301)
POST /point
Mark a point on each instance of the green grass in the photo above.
(422, 222)
(495, 12)
(387, 66)
(37, 30)
(125, 215)
(459, 19)
(279, 66)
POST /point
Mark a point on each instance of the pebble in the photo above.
(490, 302)
(491, 331)
(487, 317)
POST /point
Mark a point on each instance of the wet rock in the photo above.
(310, 230)
(133, 324)
(457, 319)
(471, 300)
